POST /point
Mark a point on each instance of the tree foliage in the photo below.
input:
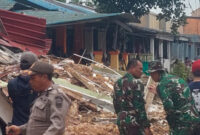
(171, 10)
(181, 70)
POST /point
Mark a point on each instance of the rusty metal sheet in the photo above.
(24, 32)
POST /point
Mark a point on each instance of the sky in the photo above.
(190, 6)
(194, 5)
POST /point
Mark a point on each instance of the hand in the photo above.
(147, 131)
(152, 88)
(13, 130)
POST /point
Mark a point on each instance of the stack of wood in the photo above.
(80, 75)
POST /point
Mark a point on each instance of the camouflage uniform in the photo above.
(129, 105)
(174, 92)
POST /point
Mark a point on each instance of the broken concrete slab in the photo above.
(102, 101)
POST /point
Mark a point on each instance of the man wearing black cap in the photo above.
(20, 91)
(50, 108)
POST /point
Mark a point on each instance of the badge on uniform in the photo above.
(59, 102)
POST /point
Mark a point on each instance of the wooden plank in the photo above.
(123, 25)
(82, 80)
(149, 96)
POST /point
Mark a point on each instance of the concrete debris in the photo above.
(8, 57)
(157, 115)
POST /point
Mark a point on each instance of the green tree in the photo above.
(171, 10)
(181, 70)
(62, 0)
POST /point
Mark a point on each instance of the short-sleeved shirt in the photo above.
(48, 113)
(195, 90)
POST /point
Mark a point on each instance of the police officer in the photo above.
(21, 92)
(50, 108)
(129, 103)
(174, 92)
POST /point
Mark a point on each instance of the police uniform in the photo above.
(49, 110)
(174, 92)
(48, 113)
(129, 105)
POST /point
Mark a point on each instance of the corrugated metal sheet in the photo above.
(29, 32)
(83, 9)
(72, 7)
(6, 4)
(49, 6)
(57, 18)
(53, 5)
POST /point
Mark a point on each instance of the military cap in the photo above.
(155, 66)
(41, 68)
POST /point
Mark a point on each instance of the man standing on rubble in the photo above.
(49, 111)
(20, 90)
(178, 103)
(129, 103)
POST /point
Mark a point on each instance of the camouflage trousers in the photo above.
(181, 131)
(130, 131)
(127, 124)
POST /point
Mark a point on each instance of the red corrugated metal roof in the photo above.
(25, 32)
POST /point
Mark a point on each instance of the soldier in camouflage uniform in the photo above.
(174, 92)
(129, 103)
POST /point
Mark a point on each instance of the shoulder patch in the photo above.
(59, 101)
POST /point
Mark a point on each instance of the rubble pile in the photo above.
(157, 115)
(85, 118)
(80, 75)
(102, 123)
(85, 122)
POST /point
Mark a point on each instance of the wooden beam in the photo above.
(123, 25)
(61, 38)
(82, 80)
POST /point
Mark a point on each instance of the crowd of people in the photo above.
(40, 107)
